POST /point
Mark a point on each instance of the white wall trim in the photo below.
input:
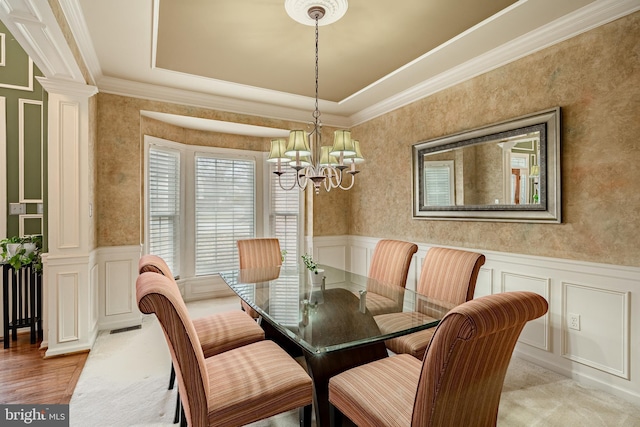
(3, 166)
(600, 355)
(21, 150)
(116, 272)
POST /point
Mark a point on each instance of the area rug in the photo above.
(124, 383)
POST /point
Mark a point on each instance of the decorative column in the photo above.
(69, 285)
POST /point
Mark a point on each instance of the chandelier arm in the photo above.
(302, 183)
(353, 181)
(280, 182)
(336, 175)
(330, 180)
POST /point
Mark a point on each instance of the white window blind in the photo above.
(285, 216)
(224, 211)
(438, 178)
(164, 205)
(285, 225)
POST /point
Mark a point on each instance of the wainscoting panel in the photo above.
(93, 294)
(333, 253)
(117, 273)
(484, 284)
(596, 320)
(68, 304)
(67, 296)
(536, 332)
(118, 293)
(599, 353)
(359, 260)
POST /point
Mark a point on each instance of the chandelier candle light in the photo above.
(324, 165)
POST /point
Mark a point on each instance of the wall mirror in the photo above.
(508, 171)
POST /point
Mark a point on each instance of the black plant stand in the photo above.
(21, 302)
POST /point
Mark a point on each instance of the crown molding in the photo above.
(587, 18)
(80, 31)
(34, 26)
(198, 99)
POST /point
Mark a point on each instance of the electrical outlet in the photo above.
(573, 321)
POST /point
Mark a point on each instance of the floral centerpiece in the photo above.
(310, 263)
(316, 274)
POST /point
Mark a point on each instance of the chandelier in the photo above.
(328, 166)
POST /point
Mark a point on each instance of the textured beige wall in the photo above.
(595, 79)
(119, 161)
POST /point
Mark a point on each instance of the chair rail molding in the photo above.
(596, 351)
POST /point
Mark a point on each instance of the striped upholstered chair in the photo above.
(459, 381)
(448, 278)
(389, 266)
(256, 253)
(233, 388)
(217, 332)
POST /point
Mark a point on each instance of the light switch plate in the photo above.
(17, 208)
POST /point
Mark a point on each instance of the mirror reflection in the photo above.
(502, 171)
(509, 171)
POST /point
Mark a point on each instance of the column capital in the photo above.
(66, 87)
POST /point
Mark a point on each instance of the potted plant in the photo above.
(19, 251)
(316, 274)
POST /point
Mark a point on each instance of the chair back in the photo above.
(260, 252)
(450, 275)
(154, 264)
(467, 359)
(390, 261)
(160, 295)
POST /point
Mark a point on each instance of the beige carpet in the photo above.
(124, 383)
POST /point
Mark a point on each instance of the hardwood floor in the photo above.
(26, 377)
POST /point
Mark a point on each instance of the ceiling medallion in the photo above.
(298, 10)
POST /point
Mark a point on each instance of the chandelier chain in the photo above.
(316, 113)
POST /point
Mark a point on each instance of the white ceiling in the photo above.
(250, 57)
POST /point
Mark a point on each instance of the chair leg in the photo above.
(305, 416)
(172, 377)
(335, 416)
(183, 419)
(179, 412)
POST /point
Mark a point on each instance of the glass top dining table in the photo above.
(337, 324)
(346, 310)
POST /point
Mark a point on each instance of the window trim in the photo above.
(187, 197)
(187, 194)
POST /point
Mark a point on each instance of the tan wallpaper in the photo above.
(595, 79)
(119, 162)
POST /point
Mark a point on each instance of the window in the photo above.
(438, 178)
(285, 215)
(225, 211)
(285, 224)
(164, 206)
(200, 200)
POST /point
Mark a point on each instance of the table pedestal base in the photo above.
(323, 366)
